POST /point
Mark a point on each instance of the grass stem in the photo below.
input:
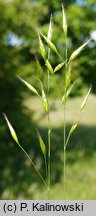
(64, 132)
(33, 165)
(49, 135)
(64, 172)
(64, 150)
(48, 72)
(49, 154)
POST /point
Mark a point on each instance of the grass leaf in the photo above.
(12, 131)
(77, 51)
(85, 99)
(58, 67)
(30, 87)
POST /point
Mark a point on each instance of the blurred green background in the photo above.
(19, 21)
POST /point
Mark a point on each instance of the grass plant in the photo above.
(66, 66)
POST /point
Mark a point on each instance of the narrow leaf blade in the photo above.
(12, 131)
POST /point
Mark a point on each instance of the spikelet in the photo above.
(29, 86)
(44, 101)
(50, 30)
(74, 126)
(58, 67)
(42, 48)
(64, 21)
(68, 77)
(85, 99)
(42, 144)
(67, 92)
(49, 43)
(12, 131)
(49, 67)
(77, 51)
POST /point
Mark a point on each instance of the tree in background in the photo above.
(19, 42)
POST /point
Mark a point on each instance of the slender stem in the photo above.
(64, 169)
(48, 72)
(49, 154)
(60, 57)
(49, 137)
(33, 164)
(64, 150)
(64, 132)
(66, 48)
(67, 140)
(45, 165)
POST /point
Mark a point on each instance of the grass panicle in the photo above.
(67, 89)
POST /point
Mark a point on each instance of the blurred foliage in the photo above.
(19, 43)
